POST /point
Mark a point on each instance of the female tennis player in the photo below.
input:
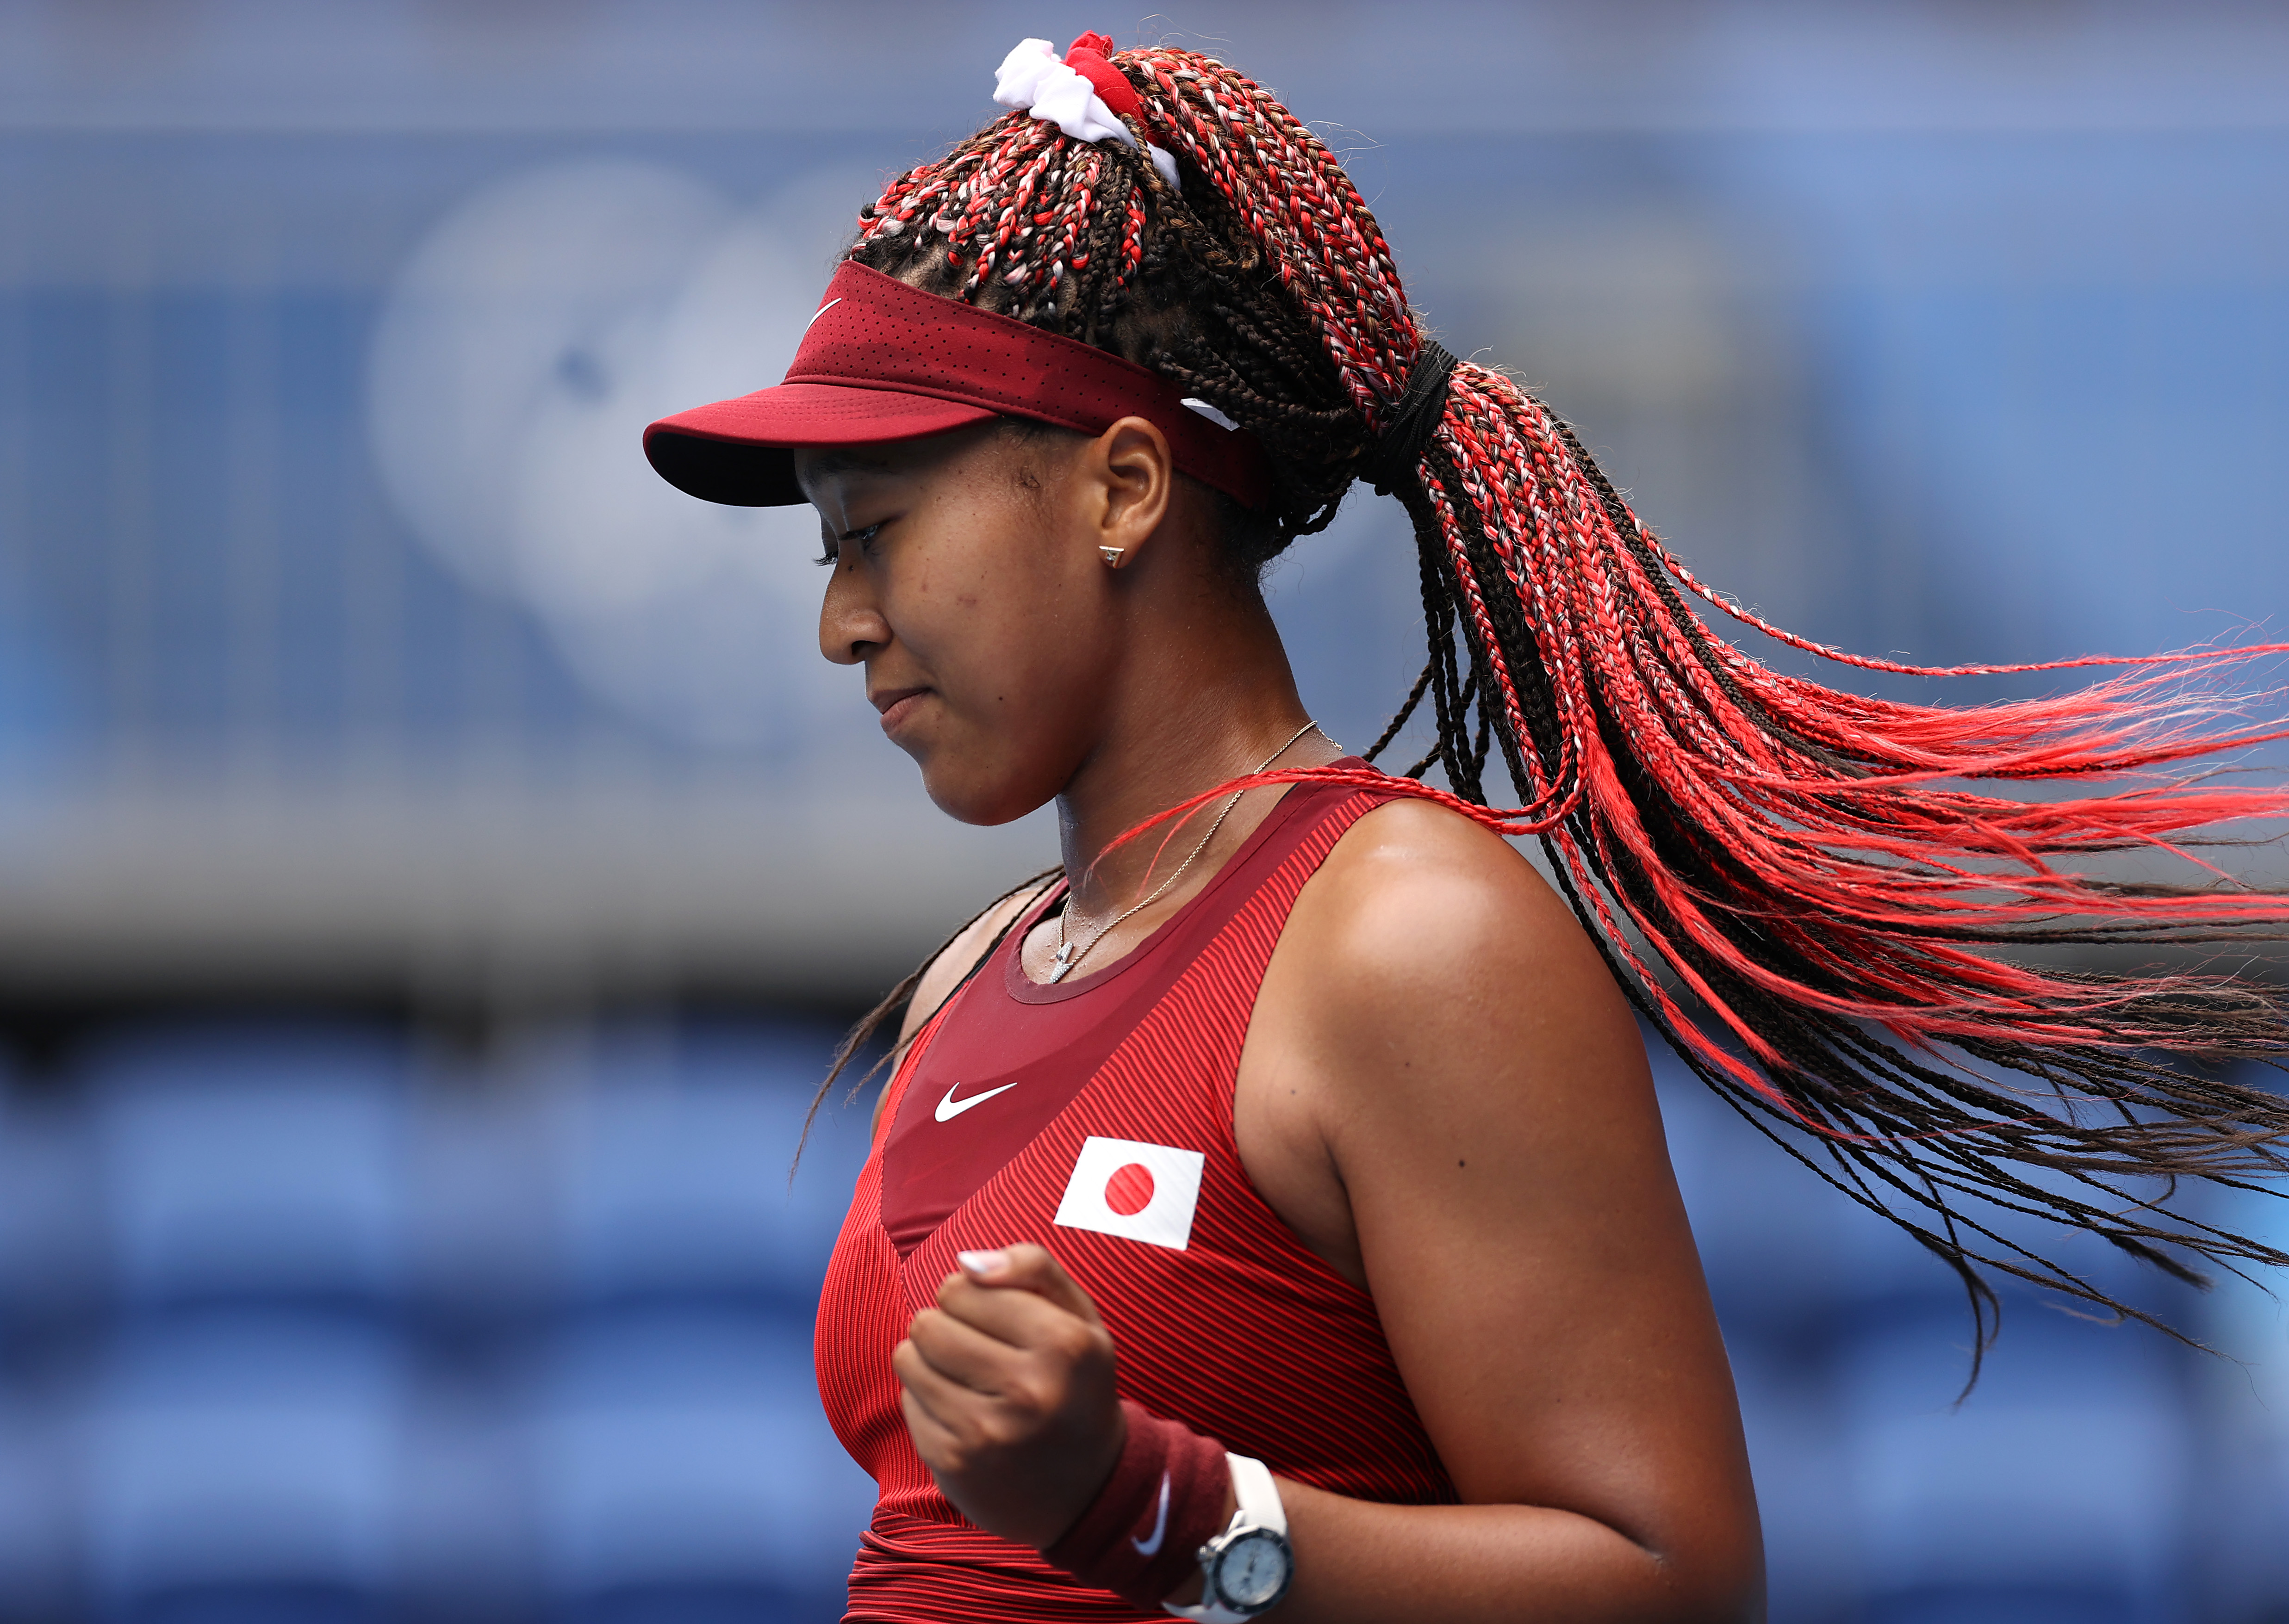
(1268, 1209)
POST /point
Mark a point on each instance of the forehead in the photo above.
(826, 473)
(841, 461)
(820, 467)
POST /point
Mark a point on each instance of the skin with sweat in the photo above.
(1442, 1092)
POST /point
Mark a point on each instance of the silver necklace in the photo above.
(1068, 957)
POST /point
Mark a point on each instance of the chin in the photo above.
(971, 793)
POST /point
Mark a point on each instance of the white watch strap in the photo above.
(1258, 1494)
(1252, 1485)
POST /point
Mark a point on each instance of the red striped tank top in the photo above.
(1127, 1170)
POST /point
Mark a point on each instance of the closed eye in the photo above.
(833, 553)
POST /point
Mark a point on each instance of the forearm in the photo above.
(1360, 1560)
(1010, 1398)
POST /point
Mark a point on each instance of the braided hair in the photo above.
(1788, 880)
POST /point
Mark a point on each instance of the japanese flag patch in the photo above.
(1135, 1191)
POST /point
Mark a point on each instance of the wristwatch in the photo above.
(1249, 1565)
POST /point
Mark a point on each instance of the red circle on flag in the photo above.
(1130, 1190)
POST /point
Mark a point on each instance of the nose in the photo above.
(849, 624)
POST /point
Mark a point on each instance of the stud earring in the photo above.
(1112, 556)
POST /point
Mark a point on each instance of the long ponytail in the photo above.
(1791, 882)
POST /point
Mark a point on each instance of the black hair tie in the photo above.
(1414, 420)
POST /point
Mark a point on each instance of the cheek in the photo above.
(1004, 634)
(1005, 658)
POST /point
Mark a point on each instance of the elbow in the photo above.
(1725, 1587)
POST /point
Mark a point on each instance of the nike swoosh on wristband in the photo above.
(1152, 1546)
(949, 1108)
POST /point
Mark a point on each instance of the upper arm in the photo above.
(946, 972)
(1480, 1093)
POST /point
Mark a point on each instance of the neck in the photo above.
(1202, 710)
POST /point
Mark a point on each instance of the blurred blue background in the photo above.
(433, 862)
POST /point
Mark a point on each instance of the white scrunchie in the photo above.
(1034, 77)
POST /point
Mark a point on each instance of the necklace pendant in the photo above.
(1063, 963)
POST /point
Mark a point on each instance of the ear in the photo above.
(1130, 480)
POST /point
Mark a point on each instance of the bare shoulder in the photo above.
(1415, 893)
(1427, 949)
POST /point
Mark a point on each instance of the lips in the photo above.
(896, 704)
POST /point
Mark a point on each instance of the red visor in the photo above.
(882, 360)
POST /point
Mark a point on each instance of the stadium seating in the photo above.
(245, 1462)
(683, 1471)
(240, 1164)
(371, 1338)
(320, 1326)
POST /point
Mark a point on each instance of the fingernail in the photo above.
(983, 1264)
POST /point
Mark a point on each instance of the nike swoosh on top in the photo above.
(1152, 1546)
(821, 311)
(949, 1108)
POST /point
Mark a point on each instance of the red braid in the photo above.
(1785, 877)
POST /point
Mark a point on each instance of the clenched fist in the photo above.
(1010, 1394)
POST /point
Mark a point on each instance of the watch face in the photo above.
(1253, 1570)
